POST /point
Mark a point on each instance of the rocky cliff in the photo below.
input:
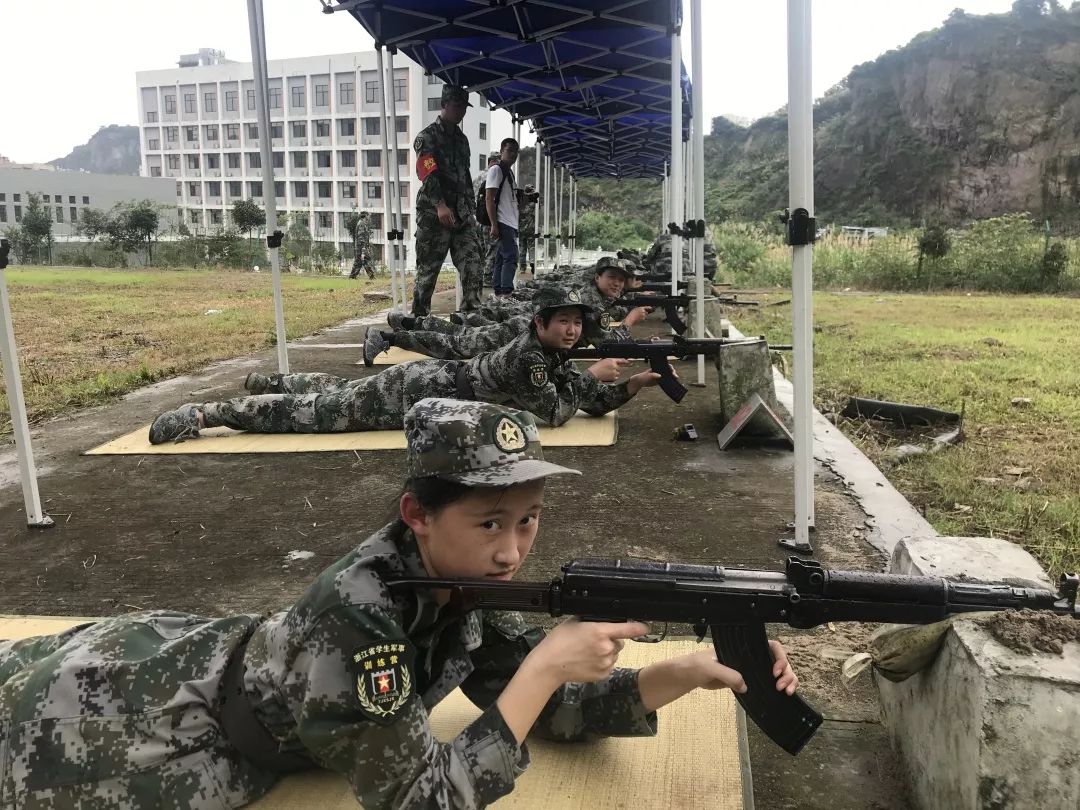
(111, 150)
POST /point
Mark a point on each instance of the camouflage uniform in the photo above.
(526, 240)
(362, 249)
(522, 373)
(443, 164)
(467, 342)
(133, 711)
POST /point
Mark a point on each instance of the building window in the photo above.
(57, 198)
(322, 160)
(171, 133)
(213, 161)
(153, 143)
(155, 171)
(59, 213)
(74, 212)
(232, 132)
(18, 213)
(371, 92)
(346, 127)
(373, 191)
(173, 161)
(189, 102)
(85, 200)
(299, 129)
(193, 189)
(347, 159)
(71, 199)
(16, 197)
(193, 161)
(251, 99)
(213, 189)
(300, 189)
(402, 125)
(278, 159)
(372, 158)
(323, 190)
(255, 188)
(277, 130)
(232, 160)
(481, 163)
(235, 188)
(215, 216)
(279, 188)
(274, 95)
(170, 105)
(483, 132)
(432, 79)
(254, 160)
(403, 189)
(403, 157)
(253, 132)
(326, 219)
(151, 118)
(191, 134)
(232, 99)
(322, 128)
(322, 95)
(401, 90)
(434, 104)
(3, 213)
(345, 92)
(209, 102)
(297, 94)
(211, 132)
(299, 160)
(3, 197)
(195, 217)
(372, 126)
(348, 191)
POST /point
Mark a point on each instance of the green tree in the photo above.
(298, 238)
(247, 216)
(934, 242)
(36, 227)
(133, 224)
(93, 223)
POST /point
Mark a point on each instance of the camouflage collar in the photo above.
(449, 129)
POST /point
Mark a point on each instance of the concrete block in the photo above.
(745, 369)
(985, 727)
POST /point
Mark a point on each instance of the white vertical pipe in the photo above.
(676, 157)
(573, 217)
(801, 195)
(24, 451)
(561, 186)
(388, 211)
(262, 109)
(664, 200)
(547, 204)
(698, 172)
(395, 201)
(536, 206)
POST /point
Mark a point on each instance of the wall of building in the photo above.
(70, 193)
(199, 130)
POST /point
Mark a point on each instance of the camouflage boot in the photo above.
(256, 383)
(374, 345)
(176, 425)
(399, 321)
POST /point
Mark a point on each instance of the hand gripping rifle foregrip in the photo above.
(787, 720)
(669, 383)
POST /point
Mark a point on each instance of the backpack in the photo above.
(481, 197)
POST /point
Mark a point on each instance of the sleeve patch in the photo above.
(418, 144)
(384, 679)
(426, 166)
(538, 374)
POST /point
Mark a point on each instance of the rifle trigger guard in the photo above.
(650, 638)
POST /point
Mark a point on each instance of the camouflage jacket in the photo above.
(363, 234)
(544, 382)
(128, 707)
(444, 166)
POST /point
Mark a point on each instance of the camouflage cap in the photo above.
(453, 93)
(475, 443)
(556, 298)
(611, 263)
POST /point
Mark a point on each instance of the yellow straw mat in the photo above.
(581, 431)
(691, 764)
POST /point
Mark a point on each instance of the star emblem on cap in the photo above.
(509, 437)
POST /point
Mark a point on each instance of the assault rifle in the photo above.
(669, 303)
(733, 605)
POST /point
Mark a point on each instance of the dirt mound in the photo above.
(1030, 631)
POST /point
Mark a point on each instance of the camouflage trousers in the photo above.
(123, 713)
(465, 344)
(433, 323)
(526, 253)
(323, 403)
(361, 265)
(433, 242)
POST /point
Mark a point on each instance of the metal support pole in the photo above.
(547, 205)
(801, 195)
(561, 186)
(536, 207)
(35, 516)
(676, 157)
(573, 218)
(388, 211)
(664, 220)
(395, 201)
(697, 173)
(262, 109)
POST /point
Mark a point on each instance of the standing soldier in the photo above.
(526, 233)
(445, 219)
(485, 244)
(362, 247)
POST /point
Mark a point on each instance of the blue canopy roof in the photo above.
(593, 76)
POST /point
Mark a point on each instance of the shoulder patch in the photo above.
(538, 373)
(509, 624)
(418, 144)
(384, 678)
(605, 319)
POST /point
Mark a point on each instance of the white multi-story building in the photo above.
(199, 127)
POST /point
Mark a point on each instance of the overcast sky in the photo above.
(68, 66)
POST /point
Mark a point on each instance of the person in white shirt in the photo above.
(502, 209)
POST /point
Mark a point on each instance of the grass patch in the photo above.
(945, 350)
(87, 336)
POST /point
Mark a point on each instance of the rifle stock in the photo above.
(733, 606)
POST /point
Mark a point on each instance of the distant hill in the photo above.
(111, 150)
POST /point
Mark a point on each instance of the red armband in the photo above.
(425, 166)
